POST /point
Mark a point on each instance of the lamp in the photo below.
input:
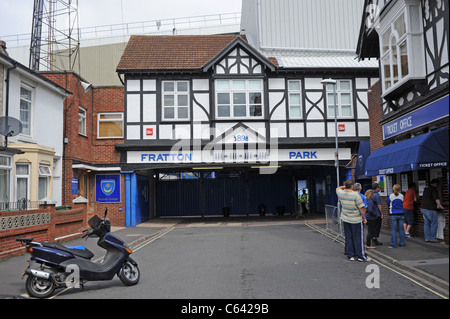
(336, 156)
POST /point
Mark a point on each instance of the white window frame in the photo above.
(45, 174)
(391, 55)
(26, 177)
(82, 120)
(100, 120)
(232, 90)
(392, 42)
(292, 92)
(340, 101)
(7, 169)
(27, 126)
(176, 93)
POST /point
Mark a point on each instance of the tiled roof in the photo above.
(190, 52)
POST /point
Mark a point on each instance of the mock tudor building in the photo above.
(212, 126)
(409, 107)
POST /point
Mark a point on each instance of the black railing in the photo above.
(22, 204)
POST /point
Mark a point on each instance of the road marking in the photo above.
(164, 232)
(316, 228)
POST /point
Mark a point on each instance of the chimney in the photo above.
(3, 47)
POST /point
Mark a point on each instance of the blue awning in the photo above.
(422, 152)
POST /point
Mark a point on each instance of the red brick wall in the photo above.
(89, 149)
(62, 223)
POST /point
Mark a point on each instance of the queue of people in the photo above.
(359, 210)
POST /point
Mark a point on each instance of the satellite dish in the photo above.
(10, 126)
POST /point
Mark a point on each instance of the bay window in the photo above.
(44, 177)
(401, 46)
(22, 182)
(5, 181)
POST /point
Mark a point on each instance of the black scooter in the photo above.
(53, 265)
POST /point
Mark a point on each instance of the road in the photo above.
(259, 262)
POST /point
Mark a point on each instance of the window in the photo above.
(295, 100)
(239, 98)
(394, 58)
(25, 109)
(402, 48)
(110, 125)
(22, 181)
(82, 121)
(344, 99)
(175, 100)
(5, 181)
(44, 177)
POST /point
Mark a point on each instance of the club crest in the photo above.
(108, 186)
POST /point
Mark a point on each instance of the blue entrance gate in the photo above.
(240, 193)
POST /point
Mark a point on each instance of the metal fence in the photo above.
(22, 204)
(333, 220)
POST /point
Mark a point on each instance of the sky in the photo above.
(16, 15)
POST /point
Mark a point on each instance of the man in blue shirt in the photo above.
(357, 188)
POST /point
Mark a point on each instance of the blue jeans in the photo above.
(397, 221)
(430, 224)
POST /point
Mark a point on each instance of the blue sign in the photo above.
(74, 186)
(107, 188)
(422, 116)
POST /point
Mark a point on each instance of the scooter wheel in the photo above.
(129, 274)
(39, 288)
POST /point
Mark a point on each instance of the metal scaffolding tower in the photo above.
(55, 36)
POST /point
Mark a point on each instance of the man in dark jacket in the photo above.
(430, 203)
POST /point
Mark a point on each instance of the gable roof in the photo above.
(239, 41)
(184, 52)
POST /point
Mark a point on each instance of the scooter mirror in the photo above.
(106, 211)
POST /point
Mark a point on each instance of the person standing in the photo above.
(357, 188)
(396, 216)
(304, 202)
(372, 215)
(430, 203)
(353, 216)
(408, 208)
(377, 200)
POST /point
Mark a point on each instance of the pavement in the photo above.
(427, 261)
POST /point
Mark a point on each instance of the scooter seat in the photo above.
(79, 251)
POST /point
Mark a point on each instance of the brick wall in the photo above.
(62, 224)
(88, 148)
